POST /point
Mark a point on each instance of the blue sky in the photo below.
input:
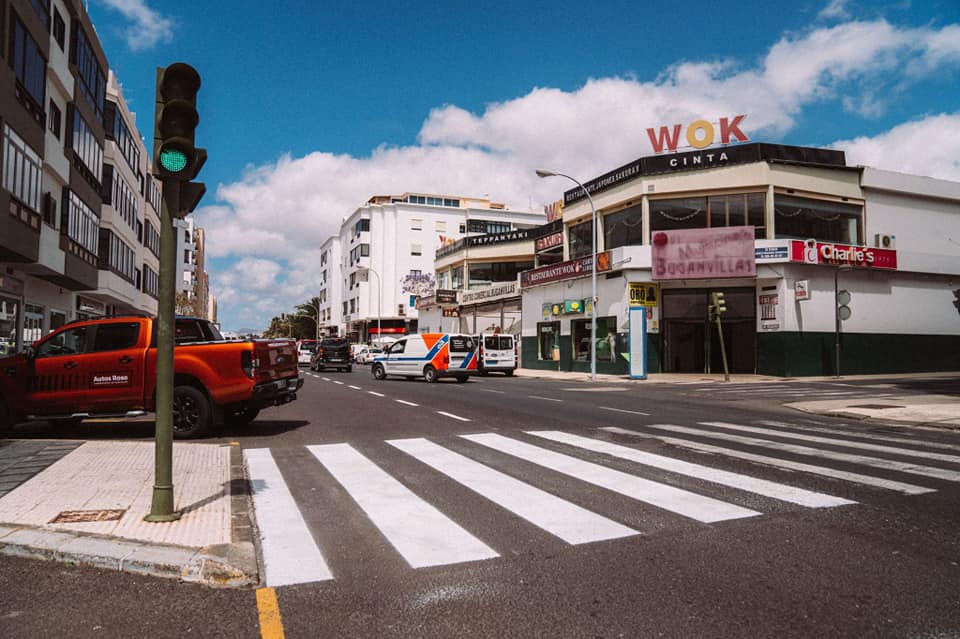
(309, 108)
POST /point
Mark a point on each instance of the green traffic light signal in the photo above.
(173, 160)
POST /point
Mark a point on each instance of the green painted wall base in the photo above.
(528, 355)
(812, 354)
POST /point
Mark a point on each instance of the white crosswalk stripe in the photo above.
(682, 502)
(570, 522)
(289, 554)
(782, 492)
(856, 478)
(421, 534)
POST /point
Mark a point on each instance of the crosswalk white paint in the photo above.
(419, 532)
(876, 462)
(290, 555)
(906, 452)
(862, 435)
(807, 498)
(569, 522)
(452, 416)
(776, 462)
(682, 502)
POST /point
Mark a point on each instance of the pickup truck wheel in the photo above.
(430, 374)
(378, 372)
(191, 413)
(243, 415)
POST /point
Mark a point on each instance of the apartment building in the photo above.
(79, 233)
(388, 247)
(330, 287)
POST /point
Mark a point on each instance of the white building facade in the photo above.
(848, 270)
(388, 248)
(330, 286)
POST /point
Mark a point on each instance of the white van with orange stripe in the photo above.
(432, 355)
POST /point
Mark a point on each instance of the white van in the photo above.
(432, 355)
(498, 353)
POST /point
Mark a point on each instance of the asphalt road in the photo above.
(570, 540)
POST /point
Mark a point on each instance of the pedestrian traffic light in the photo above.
(175, 158)
(719, 304)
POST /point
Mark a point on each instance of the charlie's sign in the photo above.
(812, 252)
(700, 134)
(704, 253)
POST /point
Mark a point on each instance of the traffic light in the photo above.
(719, 304)
(175, 158)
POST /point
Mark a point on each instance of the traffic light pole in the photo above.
(723, 350)
(161, 508)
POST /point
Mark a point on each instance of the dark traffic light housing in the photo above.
(176, 160)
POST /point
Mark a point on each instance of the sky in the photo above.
(309, 108)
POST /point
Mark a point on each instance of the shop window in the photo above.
(681, 213)
(548, 341)
(802, 218)
(32, 323)
(623, 228)
(606, 339)
(740, 209)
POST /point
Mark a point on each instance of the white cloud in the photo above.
(835, 10)
(147, 29)
(285, 210)
(929, 146)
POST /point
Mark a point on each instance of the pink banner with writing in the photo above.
(691, 254)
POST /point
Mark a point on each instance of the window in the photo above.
(741, 209)
(117, 131)
(30, 68)
(486, 273)
(114, 337)
(151, 282)
(54, 119)
(116, 255)
(416, 249)
(487, 227)
(42, 7)
(681, 213)
(361, 226)
(83, 225)
(606, 339)
(59, 28)
(440, 226)
(798, 217)
(21, 169)
(456, 277)
(123, 198)
(548, 341)
(581, 242)
(69, 342)
(152, 239)
(90, 77)
(623, 228)
(416, 224)
(87, 148)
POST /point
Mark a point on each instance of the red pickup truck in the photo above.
(107, 368)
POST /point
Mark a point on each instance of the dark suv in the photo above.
(332, 352)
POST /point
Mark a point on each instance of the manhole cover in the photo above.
(84, 516)
(876, 406)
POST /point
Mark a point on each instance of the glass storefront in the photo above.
(9, 314)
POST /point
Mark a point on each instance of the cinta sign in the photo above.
(700, 134)
(717, 253)
(812, 252)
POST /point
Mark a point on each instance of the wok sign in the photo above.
(716, 253)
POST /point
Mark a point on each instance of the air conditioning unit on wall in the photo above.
(885, 241)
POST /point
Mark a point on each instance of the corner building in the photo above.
(845, 256)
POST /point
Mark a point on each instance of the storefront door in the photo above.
(691, 343)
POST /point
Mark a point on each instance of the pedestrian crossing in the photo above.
(597, 485)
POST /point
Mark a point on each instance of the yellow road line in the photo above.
(270, 625)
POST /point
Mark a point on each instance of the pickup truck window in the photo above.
(69, 342)
(112, 337)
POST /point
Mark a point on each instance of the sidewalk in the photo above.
(84, 502)
(88, 505)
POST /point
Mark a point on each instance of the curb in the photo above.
(232, 565)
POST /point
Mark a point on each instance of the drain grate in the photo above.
(876, 406)
(84, 516)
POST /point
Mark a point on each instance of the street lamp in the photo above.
(593, 271)
(379, 299)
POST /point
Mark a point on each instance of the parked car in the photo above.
(332, 352)
(498, 353)
(108, 368)
(432, 355)
(305, 349)
(369, 354)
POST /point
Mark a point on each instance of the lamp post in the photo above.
(593, 270)
(379, 299)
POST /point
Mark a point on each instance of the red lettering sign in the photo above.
(835, 254)
(700, 134)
